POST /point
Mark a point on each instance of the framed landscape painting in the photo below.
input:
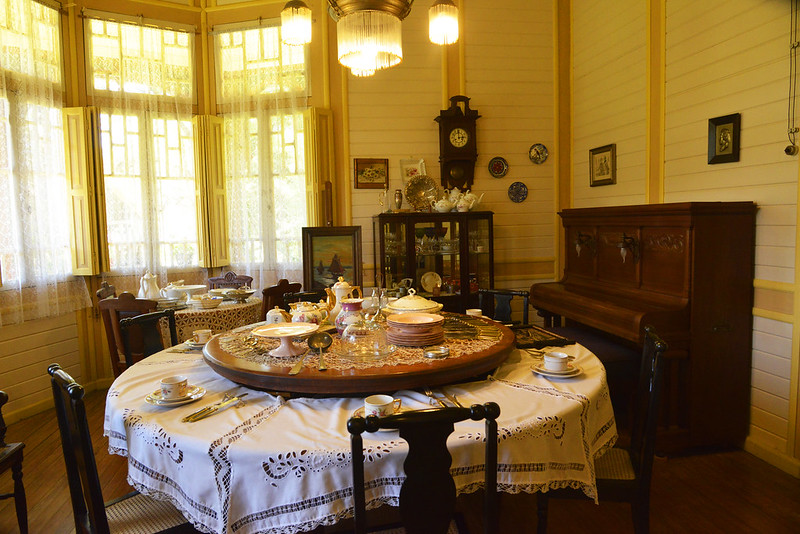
(330, 252)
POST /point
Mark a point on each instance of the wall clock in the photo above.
(517, 192)
(538, 153)
(457, 145)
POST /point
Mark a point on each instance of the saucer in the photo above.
(360, 413)
(190, 343)
(572, 370)
(193, 393)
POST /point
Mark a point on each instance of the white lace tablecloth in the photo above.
(226, 316)
(283, 466)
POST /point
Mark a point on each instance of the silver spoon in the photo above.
(320, 341)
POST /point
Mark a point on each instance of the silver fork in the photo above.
(430, 394)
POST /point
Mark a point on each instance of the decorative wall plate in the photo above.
(517, 192)
(498, 167)
(538, 153)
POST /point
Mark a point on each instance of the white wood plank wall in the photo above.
(609, 97)
(25, 352)
(510, 79)
(726, 57)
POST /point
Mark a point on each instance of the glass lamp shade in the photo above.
(369, 40)
(296, 23)
(443, 22)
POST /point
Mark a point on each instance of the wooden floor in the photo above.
(728, 492)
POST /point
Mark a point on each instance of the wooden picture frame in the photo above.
(723, 138)
(330, 252)
(371, 173)
(603, 165)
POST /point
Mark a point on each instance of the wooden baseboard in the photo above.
(772, 456)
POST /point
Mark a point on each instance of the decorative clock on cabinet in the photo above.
(458, 149)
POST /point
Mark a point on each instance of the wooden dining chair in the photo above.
(11, 458)
(142, 334)
(105, 291)
(428, 493)
(133, 512)
(496, 303)
(229, 279)
(273, 296)
(624, 475)
(309, 296)
(114, 309)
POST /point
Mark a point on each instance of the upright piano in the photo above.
(686, 269)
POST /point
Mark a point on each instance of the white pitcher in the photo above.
(148, 288)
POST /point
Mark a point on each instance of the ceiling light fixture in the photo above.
(296, 23)
(443, 22)
(368, 32)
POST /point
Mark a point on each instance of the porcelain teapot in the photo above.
(442, 205)
(341, 290)
(308, 312)
(469, 201)
(148, 288)
(278, 315)
(173, 290)
(453, 196)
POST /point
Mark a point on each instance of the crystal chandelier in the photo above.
(369, 32)
(296, 23)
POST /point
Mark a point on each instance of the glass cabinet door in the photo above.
(438, 264)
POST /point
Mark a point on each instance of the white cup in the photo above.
(201, 336)
(381, 405)
(556, 361)
(174, 387)
(477, 312)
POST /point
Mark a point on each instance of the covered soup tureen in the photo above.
(412, 303)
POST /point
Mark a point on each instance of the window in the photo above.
(262, 90)
(34, 239)
(141, 80)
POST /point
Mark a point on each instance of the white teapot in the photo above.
(470, 200)
(148, 288)
(308, 312)
(442, 205)
(174, 290)
(453, 196)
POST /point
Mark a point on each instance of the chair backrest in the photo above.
(229, 279)
(114, 309)
(646, 407)
(142, 334)
(3, 400)
(428, 494)
(273, 296)
(496, 303)
(76, 442)
(106, 290)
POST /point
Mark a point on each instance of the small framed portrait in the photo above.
(330, 252)
(410, 168)
(603, 165)
(723, 138)
(372, 173)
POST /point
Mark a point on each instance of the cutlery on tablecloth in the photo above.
(202, 413)
(320, 341)
(299, 365)
(452, 398)
(430, 394)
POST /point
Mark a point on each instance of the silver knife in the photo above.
(211, 410)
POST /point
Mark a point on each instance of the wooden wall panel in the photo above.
(609, 95)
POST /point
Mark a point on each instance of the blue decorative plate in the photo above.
(498, 167)
(517, 192)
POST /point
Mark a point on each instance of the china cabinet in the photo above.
(446, 257)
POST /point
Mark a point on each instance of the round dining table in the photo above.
(280, 464)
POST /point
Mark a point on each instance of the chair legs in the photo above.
(19, 496)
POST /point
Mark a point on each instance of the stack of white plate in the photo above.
(415, 329)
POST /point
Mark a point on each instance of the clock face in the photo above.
(458, 137)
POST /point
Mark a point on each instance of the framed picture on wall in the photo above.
(372, 173)
(330, 252)
(603, 165)
(723, 138)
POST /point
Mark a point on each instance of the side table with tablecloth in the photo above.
(226, 316)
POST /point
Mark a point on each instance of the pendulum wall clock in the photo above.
(458, 149)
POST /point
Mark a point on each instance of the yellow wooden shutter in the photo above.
(319, 159)
(212, 213)
(86, 190)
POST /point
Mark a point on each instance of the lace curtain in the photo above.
(262, 88)
(35, 256)
(140, 78)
